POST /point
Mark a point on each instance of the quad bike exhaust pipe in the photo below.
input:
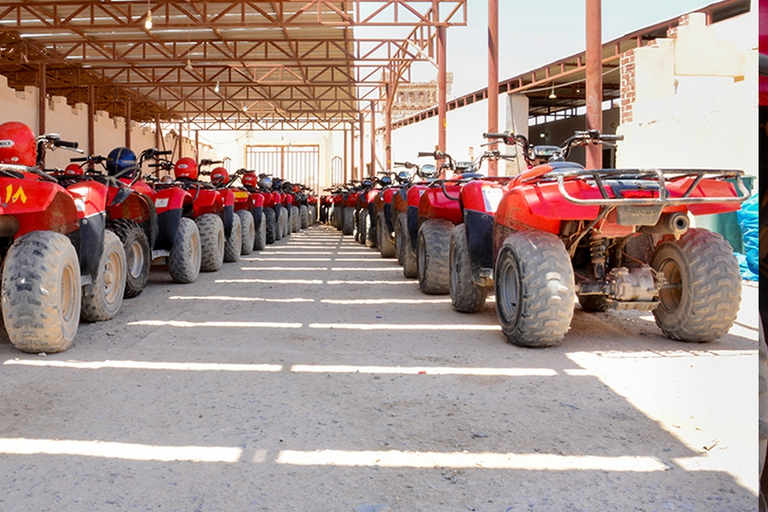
(675, 223)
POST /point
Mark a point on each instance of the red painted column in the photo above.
(388, 131)
(442, 88)
(345, 175)
(373, 138)
(91, 120)
(128, 124)
(594, 91)
(361, 170)
(493, 78)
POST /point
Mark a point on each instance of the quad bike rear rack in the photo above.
(658, 177)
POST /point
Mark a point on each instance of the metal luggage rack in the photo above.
(658, 176)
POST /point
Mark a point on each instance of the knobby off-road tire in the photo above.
(385, 243)
(432, 254)
(534, 285)
(138, 254)
(369, 228)
(348, 220)
(211, 241)
(260, 241)
(295, 220)
(104, 298)
(304, 216)
(362, 217)
(186, 253)
(234, 244)
(466, 295)
(706, 301)
(271, 225)
(41, 294)
(248, 231)
(406, 255)
(283, 222)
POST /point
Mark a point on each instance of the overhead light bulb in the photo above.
(552, 95)
(189, 67)
(148, 21)
(245, 107)
(216, 87)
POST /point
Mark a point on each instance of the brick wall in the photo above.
(627, 86)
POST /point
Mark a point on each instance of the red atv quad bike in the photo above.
(439, 212)
(178, 237)
(294, 217)
(310, 200)
(382, 214)
(614, 238)
(233, 231)
(131, 214)
(282, 213)
(405, 207)
(60, 264)
(272, 208)
(366, 217)
(255, 198)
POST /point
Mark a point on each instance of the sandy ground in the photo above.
(313, 377)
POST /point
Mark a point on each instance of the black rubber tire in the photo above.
(348, 220)
(283, 222)
(270, 227)
(432, 253)
(260, 240)
(594, 303)
(385, 242)
(138, 255)
(705, 305)
(362, 218)
(185, 256)
(41, 293)
(369, 228)
(304, 216)
(294, 219)
(534, 285)
(278, 226)
(102, 301)
(233, 245)
(403, 244)
(248, 227)
(211, 242)
(466, 295)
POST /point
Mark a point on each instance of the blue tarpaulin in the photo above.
(749, 222)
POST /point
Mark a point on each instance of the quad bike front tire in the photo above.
(534, 285)
(385, 243)
(185, 256)
(369, 228)
(138, 254)
(304, 216)
(466, 295)
(103, 299)
(248, 227)
(234, 244)
(362, 216)
(348, 220)
(260, 240)
(271, 225)
(403, 246)
(283, 223)
(701, 299)
(41, 293)
(296, 219)
(432, 254)
(212, 242)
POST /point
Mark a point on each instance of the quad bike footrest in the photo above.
(632, 305)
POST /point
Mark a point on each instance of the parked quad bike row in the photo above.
(75, 242)
(556, 233)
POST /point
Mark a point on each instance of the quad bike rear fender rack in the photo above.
(658, 176)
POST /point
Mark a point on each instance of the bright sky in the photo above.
(532, 34)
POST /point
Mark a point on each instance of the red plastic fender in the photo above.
(351, 199)
(243, 199)
(207, 201)
(435, 205)
(90, 197)
(269, 199)
(482, 196)
(415, 193)
(171, 198)
(38, 205)
(135, 207)
(288, 199)
(141, 186)
(706, 188)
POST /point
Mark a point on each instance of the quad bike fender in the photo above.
(481, 196)
(434, 204)
(269, 200)
(207, 201)
(516, 213)
(228, 216)
(388, 193)
(243, 200)
(91, 244)
(257, 212)
(278, 207)
(168, 223)
(288, 199)
(706, 188)
(388, 217)
(362, 201)
(90, 197)
(370, 196)
(140, 186)
(257, 200)
(140, 209)
(228, 196)
(414, 195)
(351, 199)
(31, 205)
(400, 200)
(172, 198)
(413, 224)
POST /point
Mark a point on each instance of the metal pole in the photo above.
(373, 138)
(42, 100)
(493, 78)
(91, 120)
(594, 153)
(442, 89)
(345, 176)
(128, 124)
(361, 171)
(388, 131)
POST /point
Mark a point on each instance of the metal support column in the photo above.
(388, 131)
(361, 170)
(594, 153)
(493, 78)
(345, 162)
(42, 100)
(91, 120)
(373, 138)
(442, 88)
(128, 124)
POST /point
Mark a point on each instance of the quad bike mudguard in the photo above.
(440, 201)
(170, 204)
(32, 205)
(480, 200)
(228, 200)
(91, 201)
(414, 198)
(207, 201)
(136, 207)
(387, 196)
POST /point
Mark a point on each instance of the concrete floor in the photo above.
(313, 376)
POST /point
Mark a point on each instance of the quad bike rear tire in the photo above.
(706, 301)
(248, 227)
(369, 228)
(403, 246)
(234, 244)
(271, 225)
(283, 222)
(432, 254)
(296, 216)
(466, 295)
(304, 216)
(385, 242)
(41, 293)
(138, 255)
(185, 256)
(534, 285)
(362, 216)
(103, 299)
(211, 241)
(260, 241)
(348, 220)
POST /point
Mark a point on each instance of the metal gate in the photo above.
(296, 164)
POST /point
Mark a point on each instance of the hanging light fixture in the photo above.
(189, 67)
(148, 20)
(552, 94)
(216, 88)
